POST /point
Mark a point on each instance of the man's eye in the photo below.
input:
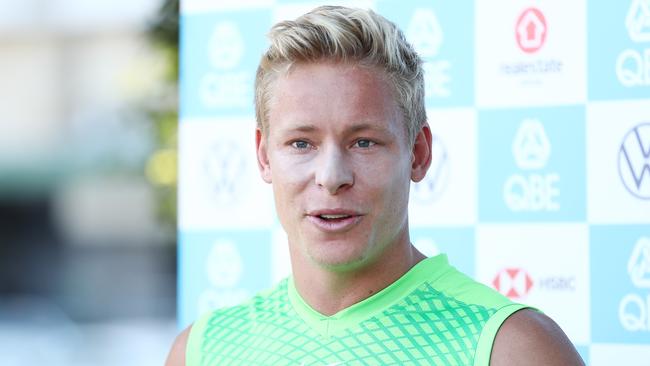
(364, 143)
(300, 144)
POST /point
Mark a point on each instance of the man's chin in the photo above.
(338, 260)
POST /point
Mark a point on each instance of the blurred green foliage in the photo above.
(162, 167)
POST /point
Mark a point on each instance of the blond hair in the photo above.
(345, 35)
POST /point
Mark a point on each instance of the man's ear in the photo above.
(262, 156)
(421, 154)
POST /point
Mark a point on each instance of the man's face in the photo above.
(337, 154)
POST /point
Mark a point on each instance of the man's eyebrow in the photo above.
(368, 126)
(299, 128)
(358, 127)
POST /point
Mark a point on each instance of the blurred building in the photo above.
(87, 269)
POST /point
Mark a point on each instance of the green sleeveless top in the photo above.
(433, 315)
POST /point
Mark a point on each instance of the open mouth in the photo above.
(334, 218)
(334, 222)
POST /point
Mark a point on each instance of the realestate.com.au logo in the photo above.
(634, 309)
(634, 161)
(530, 30)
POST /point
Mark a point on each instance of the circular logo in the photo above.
(226, 46)
(225, 165)
(634, 161)
(530, 30)
(434, 183)
(224, 265)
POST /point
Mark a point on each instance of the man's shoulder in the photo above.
(237, 317)
(462, 288)
(532, 338)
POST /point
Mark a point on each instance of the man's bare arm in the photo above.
(531, 338)
(176, 355)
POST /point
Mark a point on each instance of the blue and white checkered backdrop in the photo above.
(540, 184)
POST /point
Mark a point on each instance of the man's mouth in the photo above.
(333, 217)
(334, 220)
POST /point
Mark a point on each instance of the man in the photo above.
(341, 133)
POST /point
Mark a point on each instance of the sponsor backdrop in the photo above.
(540, 183)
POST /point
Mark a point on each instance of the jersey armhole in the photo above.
(489, 332)
(193, 347)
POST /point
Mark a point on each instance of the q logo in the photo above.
(425, 33)
(226, 46)
(224, 265)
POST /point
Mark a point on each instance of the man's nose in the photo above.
(333, 171)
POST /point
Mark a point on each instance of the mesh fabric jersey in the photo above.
(433, 315)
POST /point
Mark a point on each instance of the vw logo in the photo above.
(224, 165)
(634, 161)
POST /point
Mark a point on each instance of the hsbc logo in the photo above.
(530, 30)
(633, 65)
(531, 190)
(515, 283)
(634, 308)
(634, 161)
(434, 183)
(224, 166)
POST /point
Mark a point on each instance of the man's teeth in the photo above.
(330, 217)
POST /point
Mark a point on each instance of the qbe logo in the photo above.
(530, 30)
(633, 64)
(517, 283)
(224, 166)
(434, 183)
(531, 190)
(634, 161)
(425, 34)
(224, 86)
(223, 268)
(634, 308)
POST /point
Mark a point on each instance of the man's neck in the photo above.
(329, 292)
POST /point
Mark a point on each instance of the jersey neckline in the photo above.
(428, 269)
